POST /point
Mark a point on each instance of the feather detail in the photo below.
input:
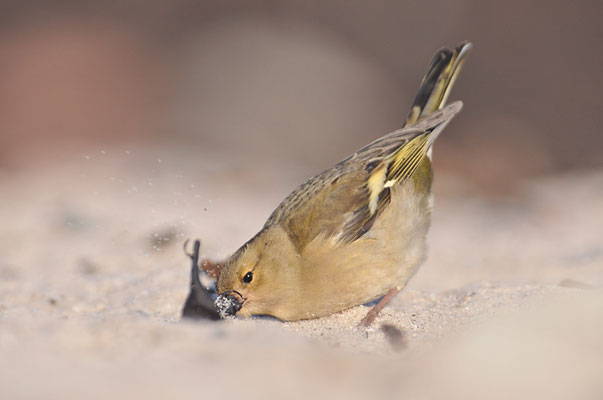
(396, 168)
(344, 201)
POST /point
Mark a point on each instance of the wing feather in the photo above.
(344, 201)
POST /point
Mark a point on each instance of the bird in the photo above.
(355, 232)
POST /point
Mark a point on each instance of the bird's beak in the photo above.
(229, 303)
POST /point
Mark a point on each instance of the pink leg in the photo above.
(369, 318)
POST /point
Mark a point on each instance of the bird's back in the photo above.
(344, 202)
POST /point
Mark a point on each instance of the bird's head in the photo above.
(261, 278)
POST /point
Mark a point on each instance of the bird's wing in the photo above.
(344, 201)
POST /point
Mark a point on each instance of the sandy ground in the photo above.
(93, 278)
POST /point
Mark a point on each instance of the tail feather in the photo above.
(438, 81)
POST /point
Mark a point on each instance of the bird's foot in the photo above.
(369, 318)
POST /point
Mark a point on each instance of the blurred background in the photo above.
(300, 84)
(128, 126)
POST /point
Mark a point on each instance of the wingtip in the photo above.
(455, 107)
(448, 111)
(440, 117)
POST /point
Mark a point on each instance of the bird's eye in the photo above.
(248, 277)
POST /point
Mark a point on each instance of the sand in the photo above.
(93, 278)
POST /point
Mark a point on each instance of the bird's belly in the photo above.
(386, 257)
(400, 234)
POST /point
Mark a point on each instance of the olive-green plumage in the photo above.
(351, 233)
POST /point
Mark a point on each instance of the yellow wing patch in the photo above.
(398, 167)
(407, 159)
(375, 184)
